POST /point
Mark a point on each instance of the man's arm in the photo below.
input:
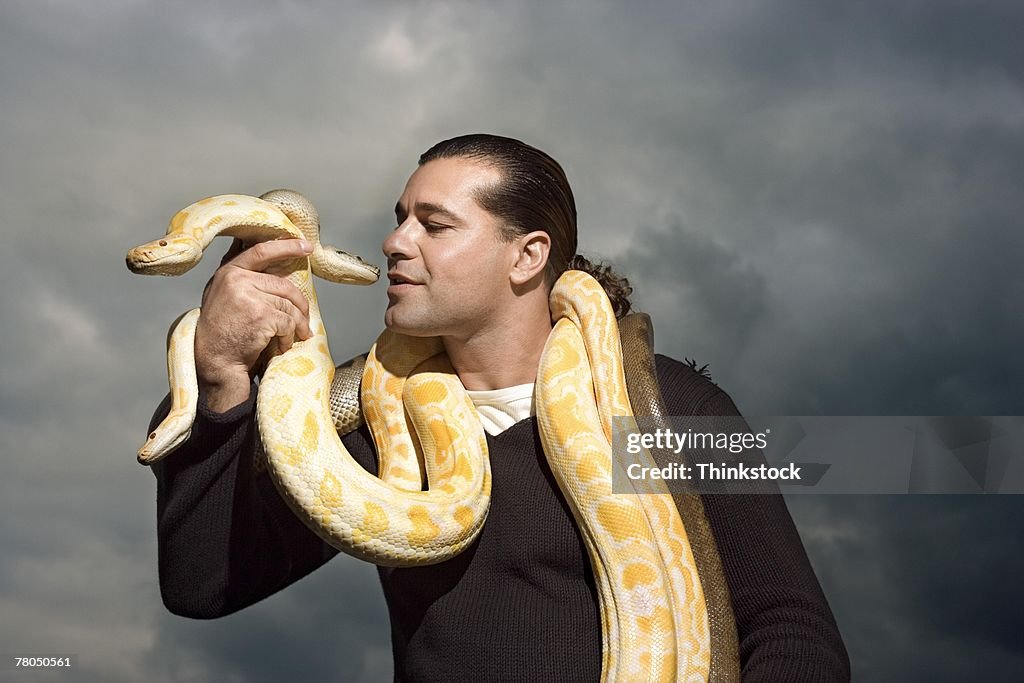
(225, 537)
(786, 629)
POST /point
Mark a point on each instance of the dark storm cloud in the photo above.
(871, 188)
(299, 634)
(709, 299)
(935, 576)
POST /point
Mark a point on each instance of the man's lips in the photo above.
(400, 283)
(396, 278)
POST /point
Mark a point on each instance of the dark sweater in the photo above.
(520, 603)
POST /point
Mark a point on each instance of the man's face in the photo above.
(447, 267)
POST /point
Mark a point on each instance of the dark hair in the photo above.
(533, 194)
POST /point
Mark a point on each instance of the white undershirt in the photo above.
(501, 408)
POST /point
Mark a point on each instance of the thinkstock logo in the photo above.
(665, 439)
(819, 454)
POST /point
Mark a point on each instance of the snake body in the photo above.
(636, 332)
(653, 611)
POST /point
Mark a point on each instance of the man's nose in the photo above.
(400, 244)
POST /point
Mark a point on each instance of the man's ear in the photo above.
(531, 256)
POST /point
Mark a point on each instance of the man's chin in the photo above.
(411, 332)
(395, 323)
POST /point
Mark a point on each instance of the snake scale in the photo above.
(654, 609)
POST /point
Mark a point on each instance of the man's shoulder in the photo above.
(688, 388)
(686, 373)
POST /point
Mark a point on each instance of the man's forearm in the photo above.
(225, 538)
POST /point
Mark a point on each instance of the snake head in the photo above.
(335, 265)
(166, 256)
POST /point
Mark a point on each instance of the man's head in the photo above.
(483, 222)
(532, 192)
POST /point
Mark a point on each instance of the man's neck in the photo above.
(506, 353)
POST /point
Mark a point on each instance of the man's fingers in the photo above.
(302, 328)
(261, 256)
(280, 287)
(300, 321)
(284, 330)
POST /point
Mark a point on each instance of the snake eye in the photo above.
(163, 243)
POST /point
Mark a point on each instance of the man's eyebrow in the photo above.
(428, 208)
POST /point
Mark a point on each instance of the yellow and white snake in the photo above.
(653, 612)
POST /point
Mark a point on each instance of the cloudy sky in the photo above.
(820, 202)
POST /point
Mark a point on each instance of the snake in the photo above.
(431, 496)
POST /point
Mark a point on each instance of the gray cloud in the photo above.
(929, 575)
(302, 634)
(709, 297)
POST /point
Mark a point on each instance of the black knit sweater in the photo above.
(520, 603)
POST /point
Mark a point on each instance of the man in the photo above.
(484, 227)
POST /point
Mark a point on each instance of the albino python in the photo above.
(653, 611)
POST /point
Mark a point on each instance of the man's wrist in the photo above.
(226, 392)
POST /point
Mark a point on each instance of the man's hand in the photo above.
(246, 307)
